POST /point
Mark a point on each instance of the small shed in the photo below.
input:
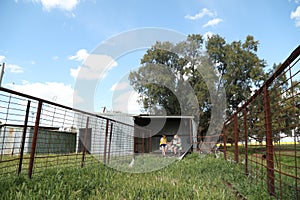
(146, 141)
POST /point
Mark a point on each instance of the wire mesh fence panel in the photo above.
(265, 132)
(285, 121)
(229, 141)
(15, 127)
(36, 134)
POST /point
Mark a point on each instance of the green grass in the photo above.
(143, 163)
(284, 156)
(284, 165)
(42, 162)
(194, 177)
(262, 148)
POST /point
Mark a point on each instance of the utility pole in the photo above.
(1, 73)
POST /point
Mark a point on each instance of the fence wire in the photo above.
(264, 133)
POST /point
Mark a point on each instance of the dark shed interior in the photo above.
(149, 130)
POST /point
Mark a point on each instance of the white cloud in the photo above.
(80, 55)
(119, 86)
(2, 58)
(296, 15)
(66, 5)
(14, 68)
(127, 103)
(213, 22)
(133, 106)
(202, 13)
(11, 67)
(48, 91)
(94, 67)
(74, 72)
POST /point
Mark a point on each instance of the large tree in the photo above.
(169, 72)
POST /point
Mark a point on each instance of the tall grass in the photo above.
(194, 177)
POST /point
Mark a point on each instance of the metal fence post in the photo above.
(236, 138)
(34, 139)
(191, 135)
(134, 141)
(246, 142)
(109, 144)
(150, 150)
(295, 126)
(147, 140)
(269, 143)
(105, 141)
(24, 137)
(224, 141)
(84, 141)
(143, 141)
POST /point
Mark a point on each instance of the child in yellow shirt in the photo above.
(163, 144)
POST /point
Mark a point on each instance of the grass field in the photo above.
(194, 177)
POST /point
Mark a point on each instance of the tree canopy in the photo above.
(187, 77)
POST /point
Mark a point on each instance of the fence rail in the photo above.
(264, 132)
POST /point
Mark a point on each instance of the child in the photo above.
(163, 144)
(176, 144)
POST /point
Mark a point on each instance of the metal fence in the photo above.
(36, 134)
(264, 133)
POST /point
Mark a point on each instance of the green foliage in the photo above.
(234, 66)
(239, 66)
(192, 178)
(284, 105)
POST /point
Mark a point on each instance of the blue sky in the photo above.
(45, 43)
